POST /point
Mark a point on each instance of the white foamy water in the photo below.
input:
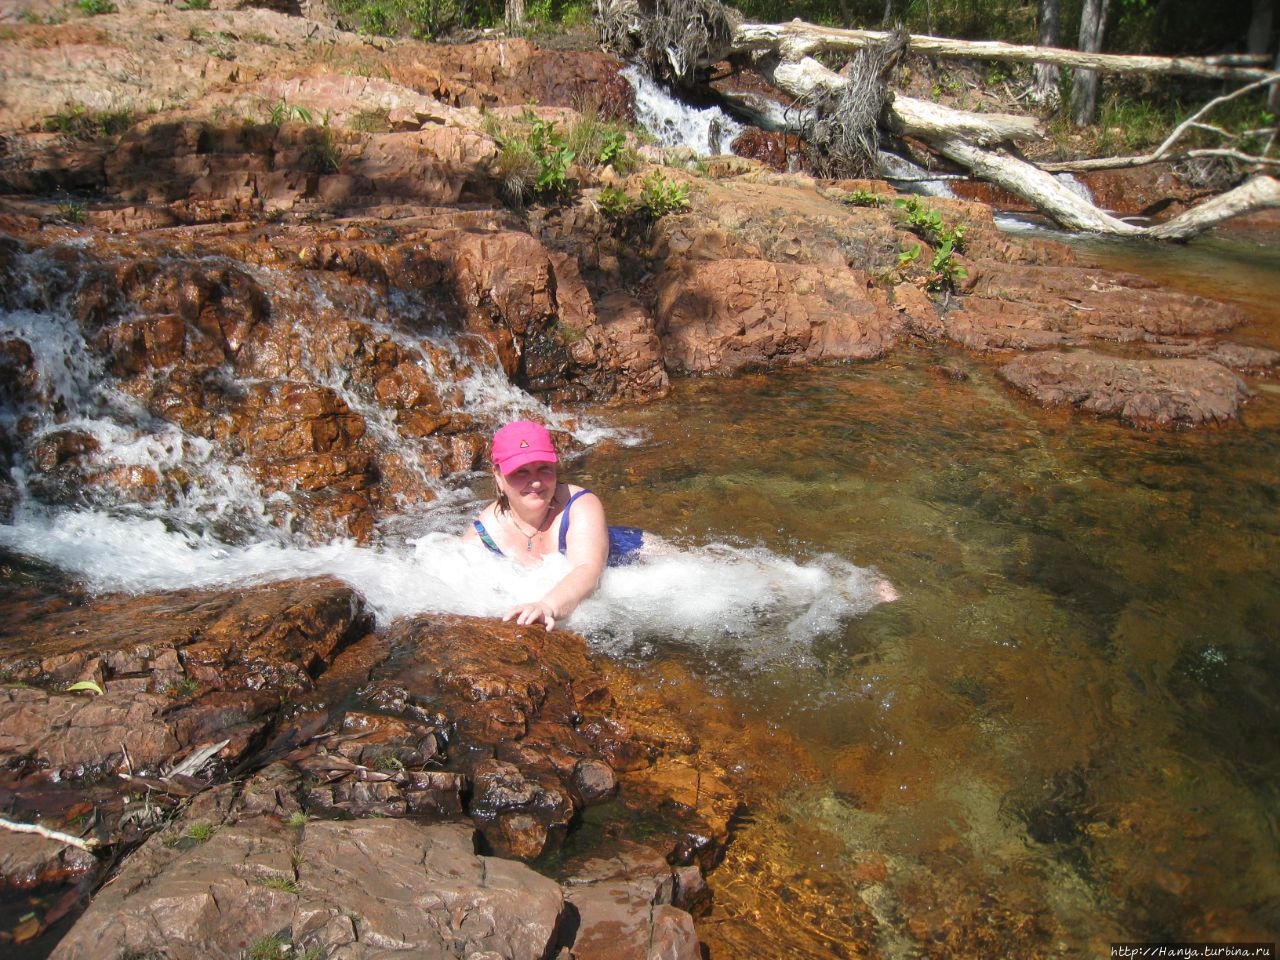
(910, 176)
(204, 523)
(706, 131)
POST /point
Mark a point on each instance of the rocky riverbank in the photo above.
(265, 764)
(271, 762)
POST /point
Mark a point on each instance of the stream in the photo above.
(1064, 733)
(1061, 734)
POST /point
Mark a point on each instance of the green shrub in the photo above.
(93, 8)
(660, 195)
(615, 203)
(420, 19)
(553, 156)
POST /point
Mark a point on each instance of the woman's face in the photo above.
(533, 482)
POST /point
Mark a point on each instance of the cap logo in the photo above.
(524, 444)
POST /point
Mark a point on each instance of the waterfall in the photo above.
(168, 509)
(908, 176)
(707, 131)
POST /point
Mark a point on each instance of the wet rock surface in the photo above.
(267, 762)
(263, 763)
(1157, 392)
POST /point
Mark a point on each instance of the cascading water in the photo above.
(169, 509)
(705, 131)
(709, 131)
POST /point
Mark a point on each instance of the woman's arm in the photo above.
(587, 550)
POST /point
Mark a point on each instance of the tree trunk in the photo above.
(1258, 193)
(1273, 101)
(1084, 91)
(1261, 23)
(1044, 87)
(513, 14)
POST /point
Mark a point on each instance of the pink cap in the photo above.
(522, 442)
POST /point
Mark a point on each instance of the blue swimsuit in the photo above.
(624, 542)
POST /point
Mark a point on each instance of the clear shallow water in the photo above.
(1063, 734)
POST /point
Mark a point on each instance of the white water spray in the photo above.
(214, 528)
(706, 131)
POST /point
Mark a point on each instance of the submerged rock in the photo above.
(1150, 392)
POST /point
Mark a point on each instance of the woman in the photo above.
(531, 517)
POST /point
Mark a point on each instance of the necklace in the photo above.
(528, 537)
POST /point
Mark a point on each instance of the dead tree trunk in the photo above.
(797, 39)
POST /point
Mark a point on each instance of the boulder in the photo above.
(355, 889)
(1144, 392)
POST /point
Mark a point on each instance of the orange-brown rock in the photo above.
(1145, 392)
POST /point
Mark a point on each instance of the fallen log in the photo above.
(978, 142)
(799, 39)
(974, 140)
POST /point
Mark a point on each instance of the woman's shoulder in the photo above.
(486, 515)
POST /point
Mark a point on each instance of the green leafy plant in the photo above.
(89, 686)
(298, 818)
(615, 203)
(946, 239)
(944, 270)
(93, 8)
(862, 198)
(660, 195)
(553, 155)
(613, 150)
(283, 111)
(196, 5)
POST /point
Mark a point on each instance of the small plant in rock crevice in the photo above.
(282, 112)
(946, 239)
(660, 195)
(862, 198)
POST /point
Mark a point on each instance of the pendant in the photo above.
(529, 545)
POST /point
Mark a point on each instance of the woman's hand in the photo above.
(527, 613)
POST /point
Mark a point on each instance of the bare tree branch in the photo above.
(1163, 151)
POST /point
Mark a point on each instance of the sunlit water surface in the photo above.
(1064, 733)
